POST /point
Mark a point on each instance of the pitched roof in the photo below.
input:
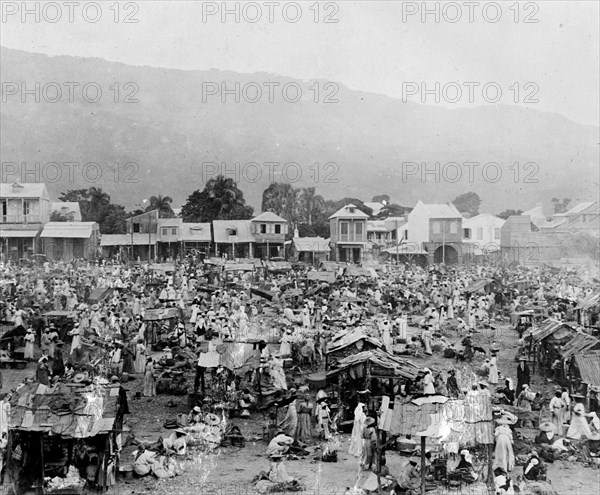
(311, 244)
(25, 190)
(580, 344)
(268, 216)
(344, 339)
(548, 328)
(222, 229)
(589, 368)
(69, 230)
(441, 210)
(397, 366)
(345, 212)
(580, 208)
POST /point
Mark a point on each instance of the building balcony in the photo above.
(20, 219)
(351, 238)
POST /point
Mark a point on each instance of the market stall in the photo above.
(64, 438)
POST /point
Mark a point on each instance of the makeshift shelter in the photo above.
(358, 271)
(479, 285)
(364, 370)
(546, 340)
(347, 343)
(328, 277)
(64, 429)
(155, 319)
(588, 310)
(278, 266)
(99, 294)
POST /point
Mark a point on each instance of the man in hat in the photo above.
(523, 374)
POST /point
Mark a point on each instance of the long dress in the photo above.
(556, 407)
(493, 371)
(289, 425)
(29, 345)
(579, 426)
(149, 382)
(139, 364)
(368, 447)
(357, 431)
(304, 425)
(128, 366)
(428, 388)
(504, 456)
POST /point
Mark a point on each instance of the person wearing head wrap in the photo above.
(409, 479)
(428, 388)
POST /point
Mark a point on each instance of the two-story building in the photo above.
(482, 233)
(437, 229)
(348, 230)
(269, 231)
(24, 209)
(176, 237)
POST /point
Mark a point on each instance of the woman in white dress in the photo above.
(357, 430)
(139, 365)
(29, 344)
(76, 342)
(579, 426)
(493, 370)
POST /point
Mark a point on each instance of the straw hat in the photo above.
(369, 421)
(504, 420)
(197, 409)
(547, 426)
(212, 419)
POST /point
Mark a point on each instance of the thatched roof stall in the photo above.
(66, 428)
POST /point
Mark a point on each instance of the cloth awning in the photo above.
(17, 233)
(239, 267)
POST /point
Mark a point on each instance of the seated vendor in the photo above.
(176, 443)
(466, 464)
(144, 459)
(409, 479)
(280, 444)
(195, 416)
(534, 469)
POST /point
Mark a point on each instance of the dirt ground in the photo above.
(230, 470)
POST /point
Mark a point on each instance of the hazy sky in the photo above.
(370, 48)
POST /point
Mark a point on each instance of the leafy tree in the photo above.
(381, 198)
(282, 199)
(393, 210)
(509, 213)
(163, 205)
(220, 199)
(113, 219)
(80, 196)
(99, 200)
(468, 204)
(560, 206)
(57, 216)
(310, 204)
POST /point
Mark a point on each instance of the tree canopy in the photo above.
(468, 204)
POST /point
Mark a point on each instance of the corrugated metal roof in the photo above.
(547, 328)
(399, 366)
(590, 301)
(69, 230)
(437, 210)
(343, 340)
(589, 368)
(64, 410)
(580, 344)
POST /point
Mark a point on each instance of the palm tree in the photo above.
(163, 205)
(281, 199)
(98, 200)
(311, 203)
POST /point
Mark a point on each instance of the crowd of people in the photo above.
(150, 319)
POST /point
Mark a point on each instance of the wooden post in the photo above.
(423, 443)
(490, 477)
